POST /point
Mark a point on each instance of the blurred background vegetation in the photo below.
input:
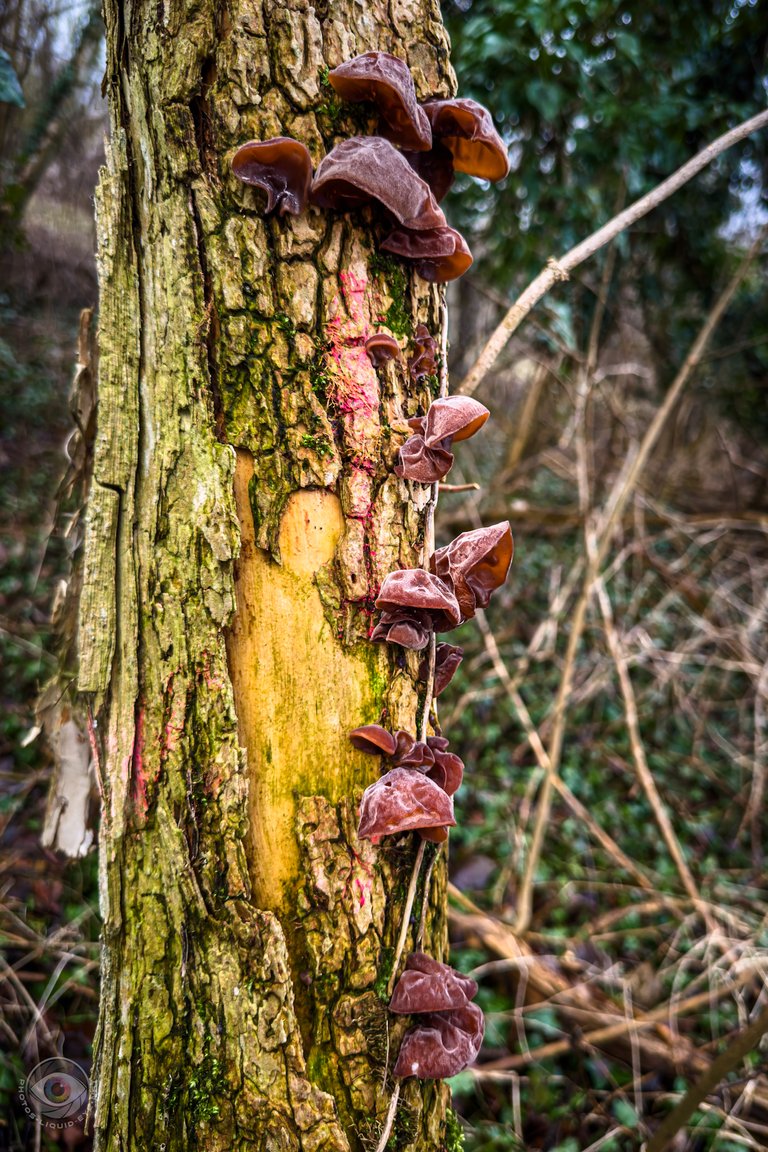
(608, 874)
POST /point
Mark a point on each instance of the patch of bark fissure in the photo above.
(208, 163)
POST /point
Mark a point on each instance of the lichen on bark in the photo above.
(243, 513)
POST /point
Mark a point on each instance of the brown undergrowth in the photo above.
(610, 891)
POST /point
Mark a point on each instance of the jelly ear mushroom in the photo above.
(439, 254)
(476, 564)
(402, 801)
(415, 588)
(374, 739)
(367, 168)
(426, 985)
(442, 1044)
(434, 835)
(436, 167)
(424, 465)
(281, 167)
(408, 627)
(381, 347)
(457, 417)
(447, 771)
(466, 129)
(447, 660)
(386, 81)
(423, 962)
(423, 363)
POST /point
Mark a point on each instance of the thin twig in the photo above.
(389, 1119)
(534, 739)
(725, 1063)
(429, 548)
(644, 774)
(429, 531)
(411, 896)
(429, 694)
(599, 1036)
(425, 900)
(561, 269)
(613, 510)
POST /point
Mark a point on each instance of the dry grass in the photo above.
(628, 685)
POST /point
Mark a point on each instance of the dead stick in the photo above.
(708, 1082)
(614, 508)
(651, 1019)
(642, 770)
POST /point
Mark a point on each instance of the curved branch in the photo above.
(561, 269)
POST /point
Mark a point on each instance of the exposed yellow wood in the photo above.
(297, 691)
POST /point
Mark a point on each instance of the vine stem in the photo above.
(429, 527)
(389, 1119)
(429, 547)
(425, 901)
(407, 914)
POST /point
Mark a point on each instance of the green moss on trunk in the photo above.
(239, 1004)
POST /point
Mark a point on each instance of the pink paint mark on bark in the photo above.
(174, 717)
(364, 885)
(354, 387)
(211, 680)
(140, 800)
(354, 400)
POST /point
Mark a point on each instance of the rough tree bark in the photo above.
(242, 515)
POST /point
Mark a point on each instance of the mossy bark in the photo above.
(243, 513)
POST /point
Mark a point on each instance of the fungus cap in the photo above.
(434, 835)
(466, 129)
(447, 660)
(442, 1044)
(415, 588)
(476, 564)
(366, 168)
(428, 985)
(281, 167)
(438, 254)
(374, 739)
(381, 347)
(387, 82)
(402, 801)
(447, 771)
(408, 627)
(457, 417)
(436, 167)
(423, 363)
(424, 465)
(417, 754)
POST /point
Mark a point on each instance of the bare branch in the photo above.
(561, 269)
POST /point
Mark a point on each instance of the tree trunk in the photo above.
(243, 513)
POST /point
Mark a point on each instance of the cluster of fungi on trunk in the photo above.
(406, 170)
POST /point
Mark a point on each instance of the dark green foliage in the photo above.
(599, 102)
(594, 97)
(10, 89)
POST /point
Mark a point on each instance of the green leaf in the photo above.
(545, 97)
(10, 89)
(625, 1113)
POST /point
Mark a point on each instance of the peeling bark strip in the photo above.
(244, 512)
